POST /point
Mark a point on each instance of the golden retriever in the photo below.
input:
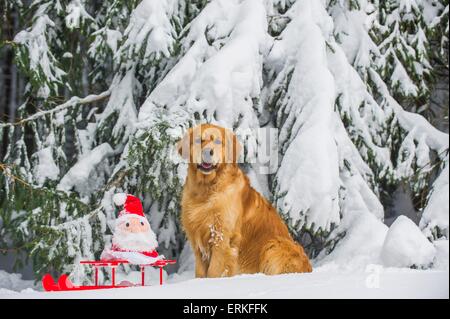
(231, 227)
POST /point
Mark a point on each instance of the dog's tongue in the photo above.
(206, 165)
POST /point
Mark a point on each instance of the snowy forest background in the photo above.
(95, 93)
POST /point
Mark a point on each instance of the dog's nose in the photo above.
(207, 154)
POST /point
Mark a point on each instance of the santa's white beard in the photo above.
(145, 241)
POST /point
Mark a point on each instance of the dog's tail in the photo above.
(282, 255)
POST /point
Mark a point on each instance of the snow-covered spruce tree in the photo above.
(146, 70)
(322, 181)
(400, 32)
(412, 37)
(416, 151)
(63, 158)
(416, 154)
(393, 145)
(438, 26)
(434, 219)
(37, 151)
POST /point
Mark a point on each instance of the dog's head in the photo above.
(208, 148)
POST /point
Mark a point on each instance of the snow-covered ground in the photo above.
(376, 282)
(370, 262)
(319, 72)
(14, 282)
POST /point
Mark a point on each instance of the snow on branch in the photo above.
(150, 32)
(68, 224)
(7, 171)
(72, 102)
(412, 122)
(435, 217)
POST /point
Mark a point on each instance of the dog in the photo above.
(231, 227)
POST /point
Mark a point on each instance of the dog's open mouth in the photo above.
(206, 167)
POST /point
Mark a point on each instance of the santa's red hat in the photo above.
(132, 206)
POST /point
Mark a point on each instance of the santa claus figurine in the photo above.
(133, 239)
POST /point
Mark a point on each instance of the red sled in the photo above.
(64, 283)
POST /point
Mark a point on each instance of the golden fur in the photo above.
(231, 227)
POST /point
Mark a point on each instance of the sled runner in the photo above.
(64, 283)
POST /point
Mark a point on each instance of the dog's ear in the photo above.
(184, 145)
(232, 147)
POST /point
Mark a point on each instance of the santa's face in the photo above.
(134, 234)
(134, 225)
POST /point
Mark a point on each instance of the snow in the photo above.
(376, 282)
(122, 104)
(356, 192)
(186, 260)
(113, 37)
(435, 214)
(149, 29)
(409, 121)
(75, 100)
(14, 282)
(67, 55)
(76, 14)
(218, 79)
(78, 176)
(40, 57)
(362, 243)
(401, 78)
(431, 10)
(46, 169)
(406, 246)
(441, 261)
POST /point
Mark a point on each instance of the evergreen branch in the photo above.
(72, 102)
(8, 42)
(6, 170)
(15, 249)
(430, 164)
(75, 221)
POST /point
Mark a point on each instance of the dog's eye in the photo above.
(218, 142)
(142, 223)
(127, 224)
